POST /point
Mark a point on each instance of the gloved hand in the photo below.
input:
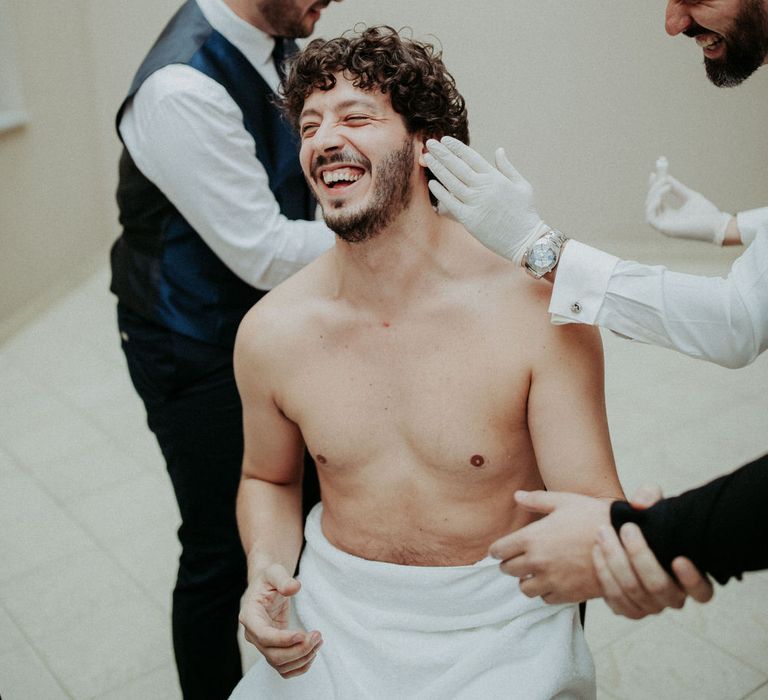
(680, 212)
(494, 204)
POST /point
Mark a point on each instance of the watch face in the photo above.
(541, 255)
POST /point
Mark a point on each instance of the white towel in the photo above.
(425, 632)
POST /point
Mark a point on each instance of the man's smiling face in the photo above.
(358, 158)
(733, 34)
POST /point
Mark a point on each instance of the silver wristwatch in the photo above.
(543, 255)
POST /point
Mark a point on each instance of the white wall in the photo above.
(584, 96)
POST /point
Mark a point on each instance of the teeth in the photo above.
(707, 42)
(342, 174)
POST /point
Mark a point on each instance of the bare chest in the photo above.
(445, 393)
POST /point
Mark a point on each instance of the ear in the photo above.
(423, 141)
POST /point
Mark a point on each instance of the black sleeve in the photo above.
(722, 527)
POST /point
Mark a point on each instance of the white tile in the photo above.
(33, 528)
(126, 509)
(10, 634)
(661, 660)
(8, 466)
(57, 596)
(103, 652)
(603, 627)
(736, 620)
(603, 694)
(151, 556)
(86, 469)
(760, 694)
(42, 428)
(23, 675)
(161, 684)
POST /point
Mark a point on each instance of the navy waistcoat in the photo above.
(161, 268)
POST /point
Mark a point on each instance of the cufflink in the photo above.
(576, 307)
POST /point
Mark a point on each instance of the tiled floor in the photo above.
(87, 518)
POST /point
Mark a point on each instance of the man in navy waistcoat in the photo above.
(214, 211)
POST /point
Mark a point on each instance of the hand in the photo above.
(553, 556)
(264, 615)
(633, 582)
(680, 212)
(494, 204)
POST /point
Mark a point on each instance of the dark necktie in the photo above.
(284, 49)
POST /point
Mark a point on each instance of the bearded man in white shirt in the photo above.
(215, 211)
(722, 321)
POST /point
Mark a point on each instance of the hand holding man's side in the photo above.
(633, 583)
(553, 556)
(264, 613)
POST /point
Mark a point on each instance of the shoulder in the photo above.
(180, 87)
(277, 326)
(520, 303)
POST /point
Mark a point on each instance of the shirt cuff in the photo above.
(749, 222)
(581, 282)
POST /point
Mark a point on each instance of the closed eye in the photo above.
(308, 129)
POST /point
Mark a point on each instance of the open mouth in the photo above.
(711, 44)
(342, 177)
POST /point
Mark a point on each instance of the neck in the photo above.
(401, 261)
(248, 12)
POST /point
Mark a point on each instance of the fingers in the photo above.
(646, 496)
(277, 577)
(295, 659)
(297, 666)
(695, 585)
(537, 501)
(612, 592)
(446, 199)
(662, 591)
(622, 590)
(453, 184)
(449, 162)
(678, 188)
(505, 167)
(654, 203)
(467, 155)
(508, 547)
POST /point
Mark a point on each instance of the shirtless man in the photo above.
(426, 404)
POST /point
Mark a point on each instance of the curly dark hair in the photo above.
(411, 72)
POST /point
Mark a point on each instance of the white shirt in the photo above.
(186, 135)
(720, 320)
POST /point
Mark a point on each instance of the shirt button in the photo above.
(576, 307)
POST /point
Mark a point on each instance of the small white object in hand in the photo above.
(662, 166)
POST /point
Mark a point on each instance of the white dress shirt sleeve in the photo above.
(186, 134)
(750, 222)
(724, 321)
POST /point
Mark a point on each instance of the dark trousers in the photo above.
(193, 408)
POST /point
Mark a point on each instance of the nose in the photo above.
(327, 139)
(678, 19)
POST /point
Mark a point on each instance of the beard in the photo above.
(286, 18)
(746, 47)
(391, 195)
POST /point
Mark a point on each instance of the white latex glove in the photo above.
(680, 212)
(494, 204)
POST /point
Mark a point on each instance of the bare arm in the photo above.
(554, 555)
(269, 506)
(569, 430)
(566, 414)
